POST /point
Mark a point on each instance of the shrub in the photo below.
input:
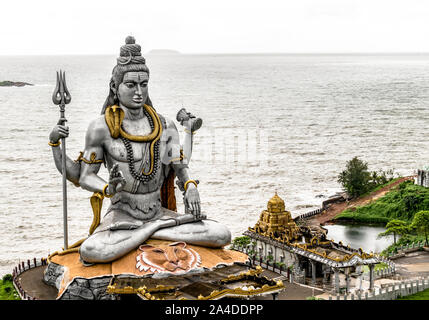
(7, 277)
(421, 224)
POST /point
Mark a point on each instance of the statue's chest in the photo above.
(119, 149)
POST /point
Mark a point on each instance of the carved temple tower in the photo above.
(276, 221)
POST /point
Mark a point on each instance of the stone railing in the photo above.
(308, 214)
(380, 273)
(387, 271)
(22, 267)
(390, 292)
(325, 205)
(411, 247)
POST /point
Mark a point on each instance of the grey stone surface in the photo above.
(53, 275)
(79, 288)
(88, 289)
(99, 283)
(77, 291)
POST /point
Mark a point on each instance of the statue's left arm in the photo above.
(180, 166)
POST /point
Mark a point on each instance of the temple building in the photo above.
(279, 238)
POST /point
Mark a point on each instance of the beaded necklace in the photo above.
(114, 117)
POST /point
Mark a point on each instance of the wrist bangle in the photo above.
(104, 192)
(54, 144)
(185, 186)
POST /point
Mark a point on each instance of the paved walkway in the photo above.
(414, 264)
(31, 282)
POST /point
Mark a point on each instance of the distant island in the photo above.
(14, 84)
(163, 52)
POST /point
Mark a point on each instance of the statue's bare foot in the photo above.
(126, 225)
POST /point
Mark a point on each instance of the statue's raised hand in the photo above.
(58, 132)
(188, 120)
(192, 200)
(116, 180)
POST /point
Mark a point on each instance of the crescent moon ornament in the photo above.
(128, 61)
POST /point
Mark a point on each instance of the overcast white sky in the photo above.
(221, 26)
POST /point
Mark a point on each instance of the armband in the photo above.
(92, 158)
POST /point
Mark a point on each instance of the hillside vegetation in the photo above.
(401, 203)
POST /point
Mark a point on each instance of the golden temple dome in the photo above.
(276, 204)
(276, 222)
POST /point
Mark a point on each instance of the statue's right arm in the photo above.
(95, 135)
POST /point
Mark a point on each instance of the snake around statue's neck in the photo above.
(114, 116)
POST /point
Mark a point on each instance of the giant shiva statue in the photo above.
(141, 150)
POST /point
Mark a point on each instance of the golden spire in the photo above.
(276, 204)
(276, 222)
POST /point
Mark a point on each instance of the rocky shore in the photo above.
(14, 84)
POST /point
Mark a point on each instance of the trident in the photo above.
(61, 97)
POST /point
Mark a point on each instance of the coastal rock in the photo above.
(14, 84)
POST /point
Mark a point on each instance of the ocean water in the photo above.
(272, 123)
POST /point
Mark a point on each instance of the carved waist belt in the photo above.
(140, 206)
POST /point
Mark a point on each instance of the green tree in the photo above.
(356, 178)
(395, 227)
(241, 241)
(421, 224)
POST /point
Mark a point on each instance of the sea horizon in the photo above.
(358, 53)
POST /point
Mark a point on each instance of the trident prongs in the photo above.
(61, 95)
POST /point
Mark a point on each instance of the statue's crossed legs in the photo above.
(115, 238)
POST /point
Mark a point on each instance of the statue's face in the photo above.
(132, 92)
